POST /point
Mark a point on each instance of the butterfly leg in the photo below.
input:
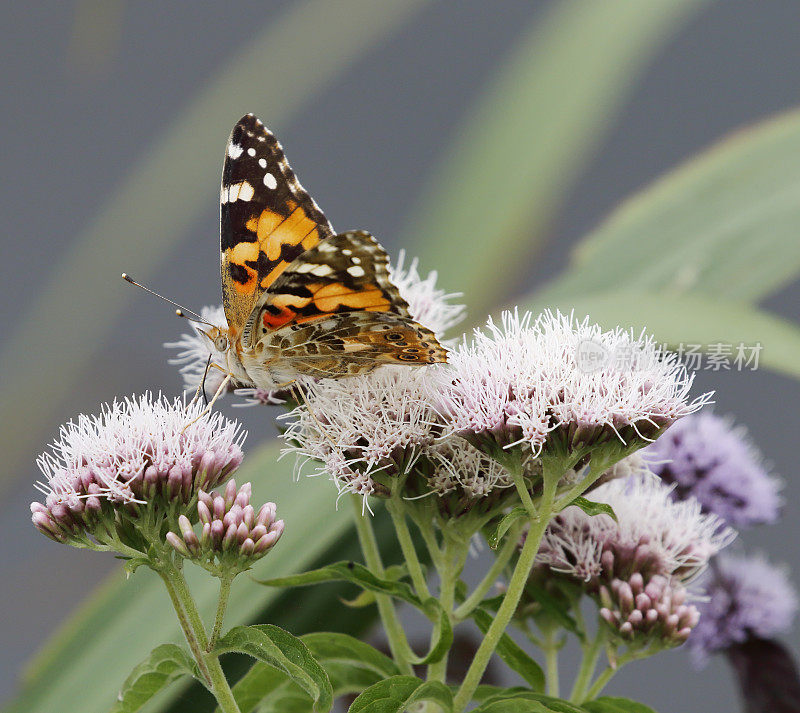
(207, 409)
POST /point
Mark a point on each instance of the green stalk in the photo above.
(195, 634)
(372, 557)
(448, 575)
(500, 563)
(611, 671)
(591, 653)
(222, 605)
(552, 473)
(551, 649)
(407, 546)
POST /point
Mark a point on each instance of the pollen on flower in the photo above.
(525, 379)
(638, 567)
(135, 451)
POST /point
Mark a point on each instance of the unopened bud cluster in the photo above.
(233, 536)
(645, 611)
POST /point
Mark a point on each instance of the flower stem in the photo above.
(602, 680)
(591, 653)
(222, 605)
(372, 556)
(195, 634)
(551, 649)
(500, 563)
(407, 546)
(453, 562)
(551, 476)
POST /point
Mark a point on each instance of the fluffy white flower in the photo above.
(521, 380)
(135, 450)
(363, 425)
(678, 536)
(637, 567)
(460, 467)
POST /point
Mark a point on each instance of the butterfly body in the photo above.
(300, 300)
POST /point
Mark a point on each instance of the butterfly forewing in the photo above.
(267, 219)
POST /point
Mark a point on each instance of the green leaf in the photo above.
(504, 525)
(690, 319)
(333, 647)
(608, 704)
(520, 701)
(729, 218)
(274, 646)
(165, 664)
(359, 575)
(348, 680)
(398, 693)
(85, 280)
(507, 173)
(352, 572)
(592, 508)
(138, 610)
(511, 653)
(258, 683)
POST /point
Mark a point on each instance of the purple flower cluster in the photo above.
(709, 459)
(230, 525)
(746, 597)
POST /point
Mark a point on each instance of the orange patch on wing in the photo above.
(273, 321)
(330, 297)
(291, 231)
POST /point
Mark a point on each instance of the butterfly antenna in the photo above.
(181, 311)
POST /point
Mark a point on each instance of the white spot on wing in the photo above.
(262, 162)
(356, 271)
(321, 270)
(242, 191)
(234, 150)
(270, 181)
(251, 152)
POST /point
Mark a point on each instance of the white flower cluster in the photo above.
(138, 440)
(521, 380)
(639, 565)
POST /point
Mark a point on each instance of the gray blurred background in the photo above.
(89, 88)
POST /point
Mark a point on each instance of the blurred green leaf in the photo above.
(608, 704)
(132, 232)
(126, 619)
(532, 133)
(690, 319)
(725, 225)
(164, 664)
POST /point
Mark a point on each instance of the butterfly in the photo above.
(299, 299)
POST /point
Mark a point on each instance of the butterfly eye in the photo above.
(221, 343)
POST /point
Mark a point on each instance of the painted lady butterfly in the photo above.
(301, 301)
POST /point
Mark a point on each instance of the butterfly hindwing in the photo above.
(267, 219)
(337, 300)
